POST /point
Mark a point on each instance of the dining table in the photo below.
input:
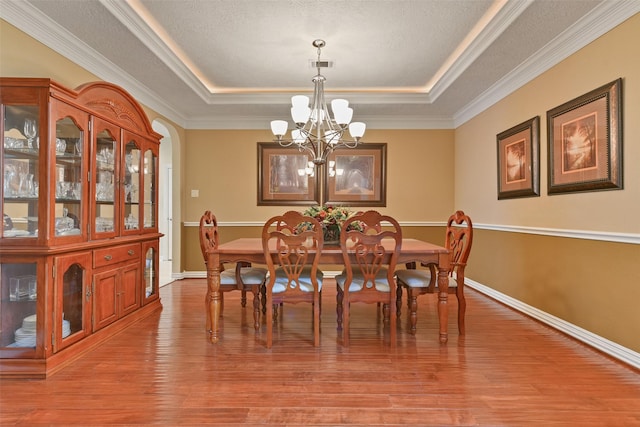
(250, 250)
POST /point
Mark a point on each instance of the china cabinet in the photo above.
(79, 236)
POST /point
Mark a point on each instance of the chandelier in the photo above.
(316, 131)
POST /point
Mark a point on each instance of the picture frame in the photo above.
(519, 160)
(585, 142)
(357, 176)
(280, 180)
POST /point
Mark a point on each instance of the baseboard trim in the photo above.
(614, 350)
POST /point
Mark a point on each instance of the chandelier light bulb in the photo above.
(343, 117)
(300, 115)
(300, 101)
(356, 129)
(279, 128)
(332, 137)
(297, 136)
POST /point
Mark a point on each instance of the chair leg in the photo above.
(398, 301)
(269, 320)
(256, 308)
(263, 297)
(339, 298)
(413, 310)
(316, 323)
(345, 322)
(462, 308)
(392, 327)
(386, 312)
(243, 299)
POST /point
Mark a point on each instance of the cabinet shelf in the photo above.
(20, 199)
(21, 153)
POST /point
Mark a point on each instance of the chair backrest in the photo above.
(208, 233)
(368, 246)
(297, 239)
(459, 239)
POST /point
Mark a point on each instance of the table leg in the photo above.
(443, 306)
(213, 297)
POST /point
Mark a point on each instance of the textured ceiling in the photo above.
(235, 63)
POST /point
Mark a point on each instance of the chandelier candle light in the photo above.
(316, 132)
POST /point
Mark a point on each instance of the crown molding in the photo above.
(509, 12)
(36, 24)
(128, 16)
(606, 16)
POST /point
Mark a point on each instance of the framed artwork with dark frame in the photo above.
(357, 176)
(585, 142)
(519, 160)
(282, 178)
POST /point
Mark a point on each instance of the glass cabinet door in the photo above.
(149, 191)
(105, 141)
(18, 300)
(21, 171)
(131, 185)
(70, 170)
(151, 266)
(73, 287)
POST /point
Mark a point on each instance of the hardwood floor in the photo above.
(507, 371)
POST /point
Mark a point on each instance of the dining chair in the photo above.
(292, 244)
(370, 253)
(458, 240)
(243, 277)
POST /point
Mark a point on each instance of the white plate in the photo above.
(15, 233)
(72, 232)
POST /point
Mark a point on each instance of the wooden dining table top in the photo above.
(250, 249)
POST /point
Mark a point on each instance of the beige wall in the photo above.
(23, 56)
(601, 62)
(222, 166)
(592, 284)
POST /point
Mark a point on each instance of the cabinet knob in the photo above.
(108, 257)
(131, 252)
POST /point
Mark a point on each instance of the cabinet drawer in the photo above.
(115, 254)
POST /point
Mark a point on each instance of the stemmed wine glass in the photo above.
(30, 131)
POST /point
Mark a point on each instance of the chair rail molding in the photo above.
(605, 236)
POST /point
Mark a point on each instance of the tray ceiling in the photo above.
(235, 64)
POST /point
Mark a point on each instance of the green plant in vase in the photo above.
(331, 219)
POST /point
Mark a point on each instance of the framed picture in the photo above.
(519, 160)
(282, 177)
(585, 142)
(357, 176)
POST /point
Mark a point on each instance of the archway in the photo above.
(169, 200)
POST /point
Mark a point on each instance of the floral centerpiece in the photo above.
(331, 219)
